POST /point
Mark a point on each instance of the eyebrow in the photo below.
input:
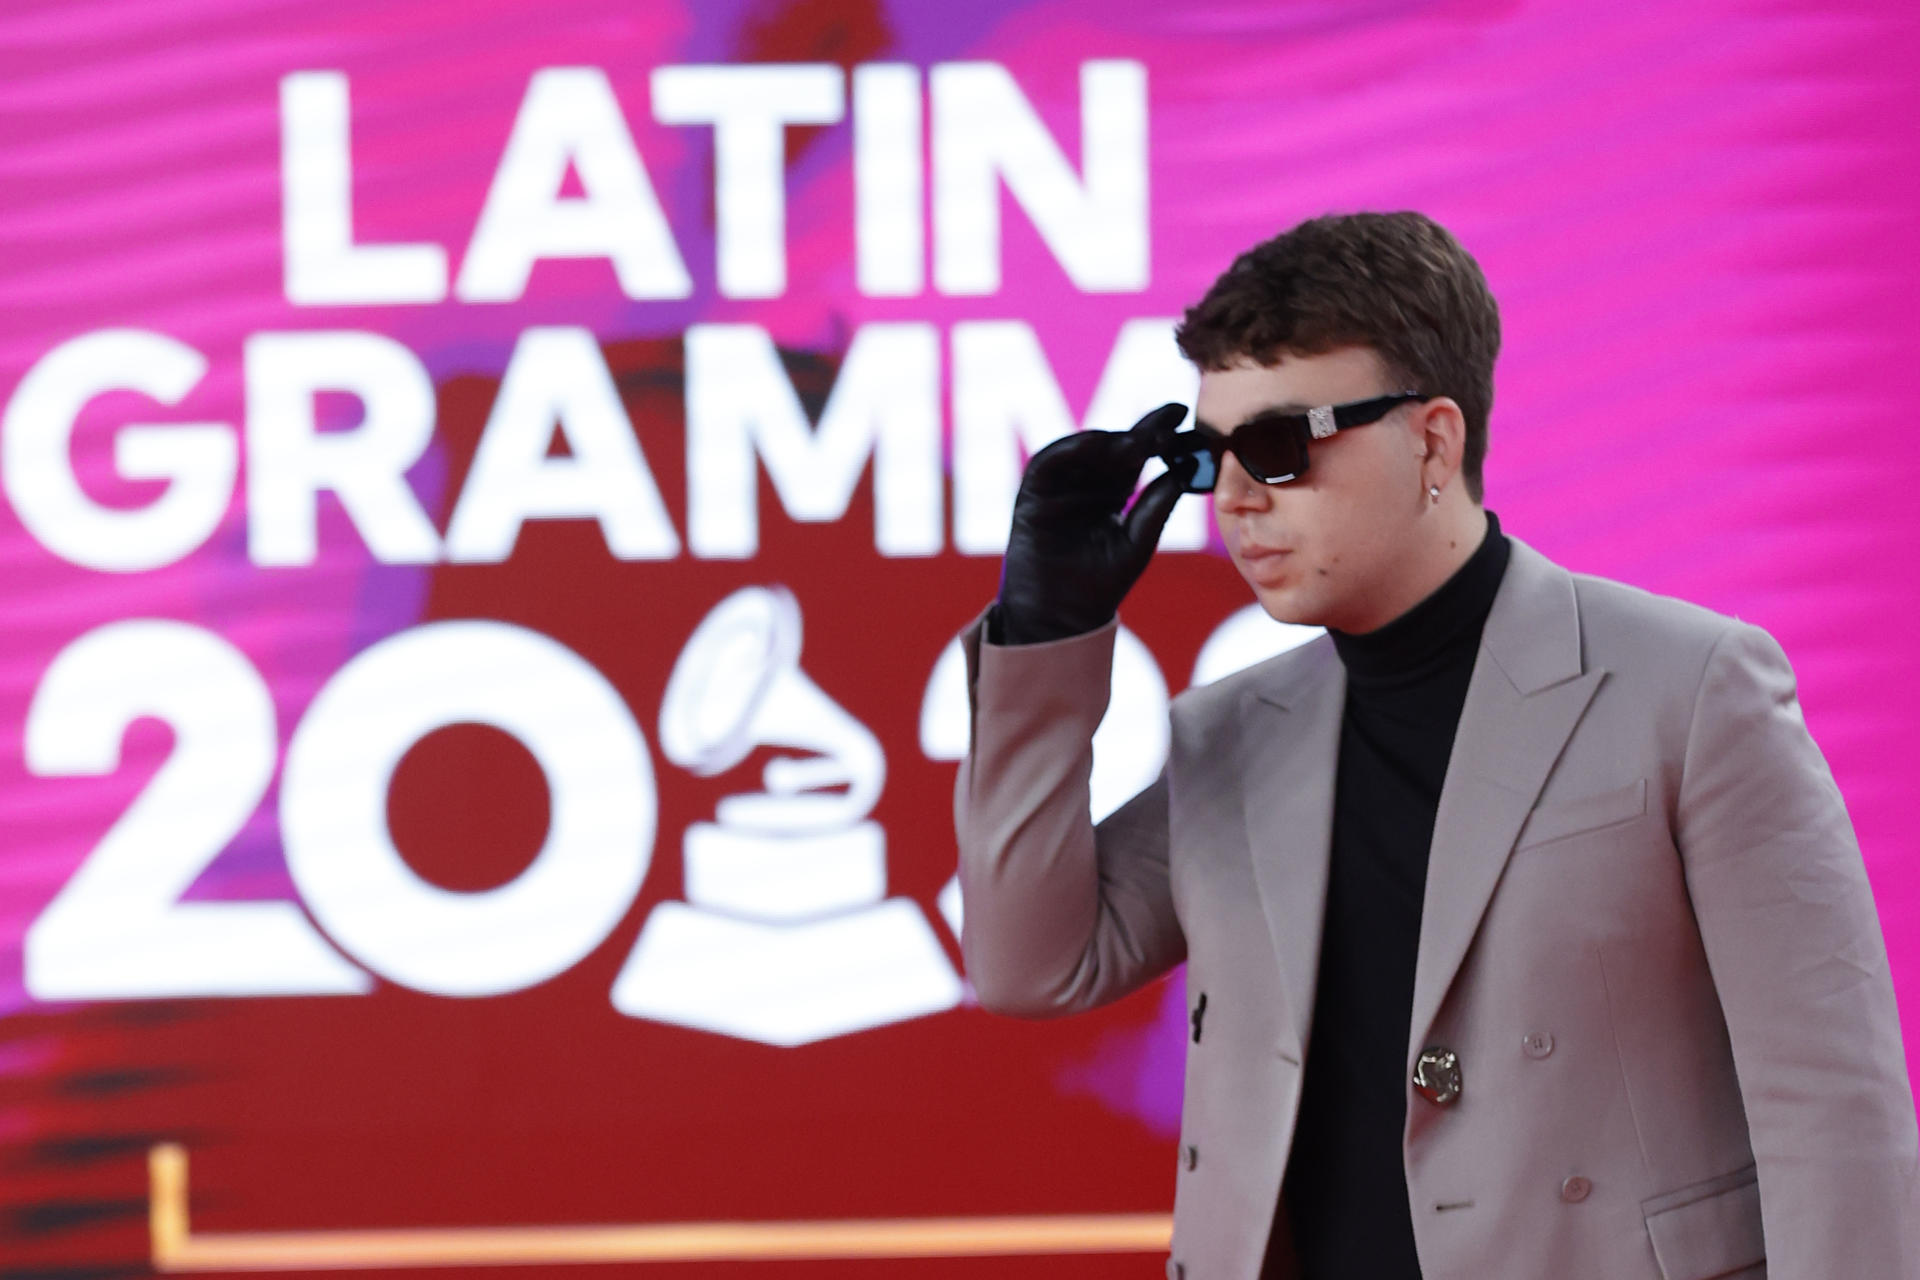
(1287, 410)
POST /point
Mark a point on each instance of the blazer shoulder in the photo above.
(1622, 623)
(1670, 617)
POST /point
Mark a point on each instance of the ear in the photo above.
(1440, 434)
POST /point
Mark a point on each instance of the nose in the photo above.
(1235, 491)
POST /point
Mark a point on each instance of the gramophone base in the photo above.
(782, 878)
(786, 984)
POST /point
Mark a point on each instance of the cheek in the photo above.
(1378, 468)
(1347, 543)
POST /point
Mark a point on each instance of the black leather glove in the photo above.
(1072, 555)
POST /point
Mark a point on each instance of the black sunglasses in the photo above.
(1273, 446)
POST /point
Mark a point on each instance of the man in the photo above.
(1526, 932)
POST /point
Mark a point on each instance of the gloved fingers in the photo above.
(1157, 426)
(1102, 465)
(1151, 509)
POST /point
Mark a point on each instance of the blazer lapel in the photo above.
(1292, 744)
(1526, 694)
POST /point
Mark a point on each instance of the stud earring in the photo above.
(1433, 492)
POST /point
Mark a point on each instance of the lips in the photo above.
(1249, 552)
(1262, 564)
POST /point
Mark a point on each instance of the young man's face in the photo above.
(1334, 546)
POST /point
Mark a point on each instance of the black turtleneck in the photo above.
(1346, 1187)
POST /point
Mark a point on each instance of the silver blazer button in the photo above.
(1436, 1075)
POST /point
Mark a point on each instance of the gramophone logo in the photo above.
(787, 935)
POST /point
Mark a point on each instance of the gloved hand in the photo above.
(1072, 555)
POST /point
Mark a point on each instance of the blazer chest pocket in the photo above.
(1712, 1228)
(1565, 818)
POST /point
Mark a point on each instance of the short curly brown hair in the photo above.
(1396, 282)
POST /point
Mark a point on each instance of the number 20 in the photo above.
(118, 930)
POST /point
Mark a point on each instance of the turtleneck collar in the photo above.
(1438, 630)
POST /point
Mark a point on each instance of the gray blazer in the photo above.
(1647, 936)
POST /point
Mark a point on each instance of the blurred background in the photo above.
(490, 488)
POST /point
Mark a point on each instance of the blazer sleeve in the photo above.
(1058, 915)
(1800, 965)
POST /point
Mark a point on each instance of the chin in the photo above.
(1287, 606)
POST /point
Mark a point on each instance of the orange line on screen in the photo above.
(176, 1248)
